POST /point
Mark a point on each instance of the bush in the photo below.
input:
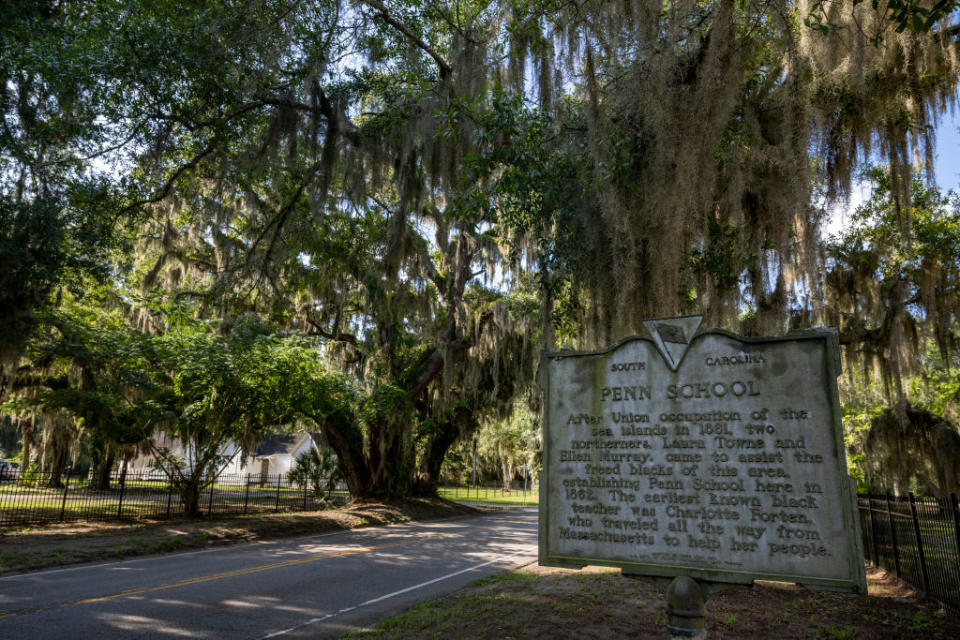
(318, 470)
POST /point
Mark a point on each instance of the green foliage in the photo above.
(729, 620)
(318, 470)
(56, 218)
(31, 477)
(521, 178)
(841, 633)
(235, 387)
(722, 257)
(907, 15)
(897, 304)
(504, 445)
(386, 404)
(390, 180)
(84, 361)
(192, 384)
(31, 257)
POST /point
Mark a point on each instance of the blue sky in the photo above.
(947, 162)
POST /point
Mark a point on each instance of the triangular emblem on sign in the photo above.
(672, 336)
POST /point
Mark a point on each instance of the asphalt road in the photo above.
(310, 587)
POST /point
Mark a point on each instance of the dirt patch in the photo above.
(538, 602)
(72, 543)
(890, 610)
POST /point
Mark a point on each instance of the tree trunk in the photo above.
(386, 473)
(42, 456)
(101, 472)
(189, 490)
(346, 440)
(549, 330)
(432, 462)
(391, 461)
(59, 466)
(27, 427)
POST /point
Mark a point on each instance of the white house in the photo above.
(276, 454)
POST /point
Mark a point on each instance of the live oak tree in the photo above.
(58, 116)
(510, 443)
(889, 297)
(709, 133)
(897, 305)
(708, 141)
(86, 369)
(347, 227)
(401, 179)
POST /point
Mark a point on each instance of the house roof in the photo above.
(280, 444)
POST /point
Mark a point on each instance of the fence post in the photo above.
(893, 536)
(169, 495)
(63, 503)
(873, 531)
(246, 494)
(277, 506)
(123, 484)
(210, 499)
(916, 533)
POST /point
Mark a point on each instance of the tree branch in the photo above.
(433, 369)
(384, 15)
(168, 185)
(339, 336)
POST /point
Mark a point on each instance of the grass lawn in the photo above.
(142, 499)
(489, 495)
(59, 544)
(538, 602)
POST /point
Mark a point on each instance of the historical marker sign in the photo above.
(701, 454)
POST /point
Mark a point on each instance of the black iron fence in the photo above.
(40, 498)
(522, 493)
(918, 539)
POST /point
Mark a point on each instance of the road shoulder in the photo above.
(53, 546)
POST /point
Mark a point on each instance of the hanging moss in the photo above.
(911, 449)
(707, 115)
(642, 158)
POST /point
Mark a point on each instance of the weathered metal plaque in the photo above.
(701, 454)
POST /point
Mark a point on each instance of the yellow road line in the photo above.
(225, 574)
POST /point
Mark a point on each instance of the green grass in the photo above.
(488, 495)
(551, 603)
(447, 617)
(729, 620)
